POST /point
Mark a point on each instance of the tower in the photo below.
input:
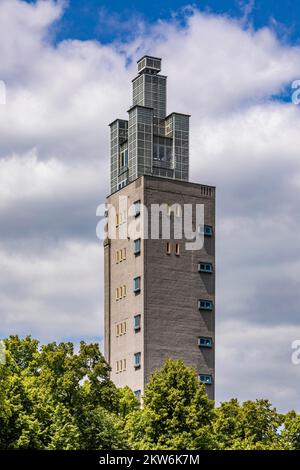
(159, 286)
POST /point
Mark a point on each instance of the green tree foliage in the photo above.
(251, 425)
(53, 398)
(177, 413)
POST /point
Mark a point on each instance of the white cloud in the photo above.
(52, 294)
(255, 362)
(54, 166)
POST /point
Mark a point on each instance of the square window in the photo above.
(138, 394)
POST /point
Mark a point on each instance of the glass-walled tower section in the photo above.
(150, 142)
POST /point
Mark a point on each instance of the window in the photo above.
(137, 208)
(138, 394)
(205, 379)
(123, 159)
(168, 250)
(137, 284)
(122, 183)
(205, 267)
(205, 342)
(117, 220)
(178, 210)
(137, 360)
(162, 152)
(137, 246)
(121, 329)
(137, 322)
(120, 255)
(177, 249)
(121, 365)
(120, 292)
(205, 304)
(206, 230)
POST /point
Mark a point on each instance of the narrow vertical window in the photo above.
(137, 284)
(137, 208)
(168, 248)
(137, 246)
(137, 322)
(177, 249)
(137, 360)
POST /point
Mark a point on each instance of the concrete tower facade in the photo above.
(159, 286)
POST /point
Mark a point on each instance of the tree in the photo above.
(52, 398)
(177, 413)
(252, 425)
(291, 431)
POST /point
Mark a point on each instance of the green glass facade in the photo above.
(150, 142)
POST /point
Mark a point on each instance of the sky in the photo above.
(67, 67)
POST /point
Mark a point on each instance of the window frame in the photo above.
(136, 364)
(137, 327)
(137, 289)
(205, 263)
(137, 208)
(205, 307)
(137, 251)
(205, 382)
(205, 342)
